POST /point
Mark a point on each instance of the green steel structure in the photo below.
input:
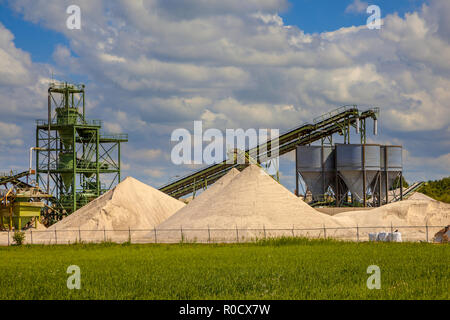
(75, 161)
(322, 129)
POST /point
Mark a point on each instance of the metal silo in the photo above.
(358, 165)
(391, 168)
(316, 165)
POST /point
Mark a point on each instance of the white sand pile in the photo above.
(250, 200)
(131, 204)
(209, 195)
(420, 196)
(403, 215)
(40, 226)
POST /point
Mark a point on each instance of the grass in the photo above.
(273, 269)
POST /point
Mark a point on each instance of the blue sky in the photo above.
(158, 65)
(325, 15)
(40, 42)
(312, 16)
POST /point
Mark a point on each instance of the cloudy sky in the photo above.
(152, 66)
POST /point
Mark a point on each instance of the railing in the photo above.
(234, 235)
(333, 113)
(44, 122)
(112, 136)
(8, 174)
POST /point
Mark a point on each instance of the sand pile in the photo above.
(420, 196)
(131, 204)
(204, 198)
(248, 200)
(406, 216)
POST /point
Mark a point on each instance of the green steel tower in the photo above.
(75, 161)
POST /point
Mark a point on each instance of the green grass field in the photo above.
(281, 269)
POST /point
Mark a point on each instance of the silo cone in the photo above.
(316, 166)
(354, 181)
(66, 162)
(392, 164)
(67, 116)
(352, 160)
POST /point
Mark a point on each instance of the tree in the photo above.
(397, 184)
(438, 189)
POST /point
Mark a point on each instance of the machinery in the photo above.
(338, 121)
(366, 171)
(330, 172)
(75, 161)
(20, 203)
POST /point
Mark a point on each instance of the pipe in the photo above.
(357, 125)
(30, 168)
(375, 127)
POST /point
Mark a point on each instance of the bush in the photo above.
(439, 189)
(19, 238)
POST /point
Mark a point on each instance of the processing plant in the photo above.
(332, 173)
(21, 203)
(75, 161)
(366, 171)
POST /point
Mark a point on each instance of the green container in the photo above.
(66, 162)
(22, 213)
(67, 116)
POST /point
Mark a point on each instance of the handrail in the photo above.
(118, 136)
(93, 122)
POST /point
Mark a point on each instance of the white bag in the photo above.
(373, 236)
(396, 237)
(382, 236)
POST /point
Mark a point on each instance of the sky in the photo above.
(153, 66)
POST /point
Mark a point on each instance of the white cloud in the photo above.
(157, 65)
(145, 154)
(9, 130)
(155, 173)
(357, 6)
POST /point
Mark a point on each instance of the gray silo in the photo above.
(358, 165)
(391, 158)
(316, 165)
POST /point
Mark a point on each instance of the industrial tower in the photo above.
(75, 161)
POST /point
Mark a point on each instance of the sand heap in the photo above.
(248, 200)
(420, 196)
(204, 198)
(131, 204)
(402, 215)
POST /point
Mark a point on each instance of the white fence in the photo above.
(236, 235)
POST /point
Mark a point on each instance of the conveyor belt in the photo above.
(412, 189)
(13, 178)
(322, 127)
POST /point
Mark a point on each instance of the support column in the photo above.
(364, 175)
(97, 160)
(118, 156)
(386, 175)
(74, 172)
(380, 201)
(401, 186)
(49, 119)
(37, 158)
(296, 172)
